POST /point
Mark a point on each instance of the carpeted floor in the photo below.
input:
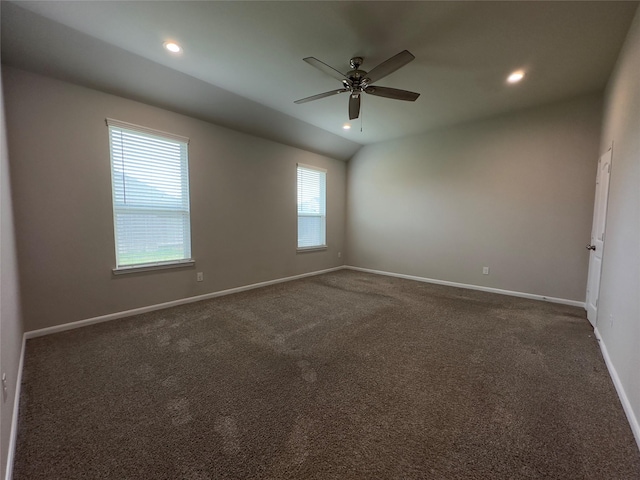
(341, 376)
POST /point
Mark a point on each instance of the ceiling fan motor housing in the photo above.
(359, 80)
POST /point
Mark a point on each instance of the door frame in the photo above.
(600, 208)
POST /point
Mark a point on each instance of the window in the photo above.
(150, 182)
(312, 206)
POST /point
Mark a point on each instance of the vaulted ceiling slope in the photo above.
(37, 44)
(242, 67)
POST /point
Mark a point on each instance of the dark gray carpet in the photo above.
(342, 376)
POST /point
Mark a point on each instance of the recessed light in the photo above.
(515, 77)
(346, 126)
(173, 47)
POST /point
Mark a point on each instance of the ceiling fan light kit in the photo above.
(357, 81)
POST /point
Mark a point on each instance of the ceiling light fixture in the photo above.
(346, 126)
(173, 47)
(357, 82)
(515, 77)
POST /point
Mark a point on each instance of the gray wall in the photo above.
(514, 193)
(619, 301)
(243, 204)
(10, 317)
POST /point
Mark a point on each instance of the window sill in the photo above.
(148, 267)
(311, 249)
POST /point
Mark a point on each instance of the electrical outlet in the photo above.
(199, 276)
(611, 320)
(339, 254)
(485, 270)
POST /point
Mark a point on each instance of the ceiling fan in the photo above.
(357, 81)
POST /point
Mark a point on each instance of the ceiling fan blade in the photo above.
(354, 106)
(323, 67)
(320, 95)
(389, 66)
(392, 93)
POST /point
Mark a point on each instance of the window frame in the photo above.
(319, 247)
(184, 167)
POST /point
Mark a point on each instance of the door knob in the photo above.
(591, 247)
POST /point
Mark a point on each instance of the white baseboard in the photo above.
(13, 436)
(183, 301)
(174, 303)
(564, 301)
(626, 404)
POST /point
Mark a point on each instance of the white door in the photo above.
(598, 235)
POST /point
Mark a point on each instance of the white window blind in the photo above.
(150, 180)
(312, 205)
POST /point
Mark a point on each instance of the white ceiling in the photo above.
(463, 50)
